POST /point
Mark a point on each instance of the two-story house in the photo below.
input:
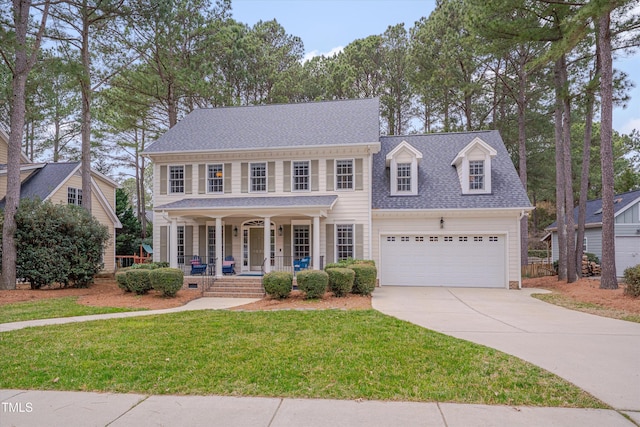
(270, 184)
(62, 183)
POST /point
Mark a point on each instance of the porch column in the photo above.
(219, 257)
(173, 244)
(316, 243)
(267, 243)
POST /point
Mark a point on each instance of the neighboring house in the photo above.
(62, 183)
(269, 184)
(627, 230)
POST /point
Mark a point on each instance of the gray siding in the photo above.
(629, 216)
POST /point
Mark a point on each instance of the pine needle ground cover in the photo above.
(50, 308)
(303, 354)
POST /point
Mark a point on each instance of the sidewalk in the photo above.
(69, 409)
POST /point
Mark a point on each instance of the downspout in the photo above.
(523, 213)
(370, 160)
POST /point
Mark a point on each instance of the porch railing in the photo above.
(184, 264)
(285, 263)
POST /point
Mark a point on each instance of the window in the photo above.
(476, 175)
(215, 183)
(258, 177)
(477, 238)
(448, 238)
(176, 179)
(180, 244)
(74, 196)
(344, 174)
(584, 244)
(300, 176)
(404, 177)
(301, 241)
(391, 239)
(493, 238)
(344, 241)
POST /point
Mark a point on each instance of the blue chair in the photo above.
(301, 264)
(228, 265)
(197, 267)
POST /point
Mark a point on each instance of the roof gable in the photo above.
(477, 143)
(314, 124)
(403, 146)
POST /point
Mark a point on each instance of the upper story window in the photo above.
(300, 176)
(476, 175)
(258, 177)
(344, 174)
(404, 177)
(176, 179)
(215, 179)
(74, 196)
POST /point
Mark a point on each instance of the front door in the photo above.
(256, 248)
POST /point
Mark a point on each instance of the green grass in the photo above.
(50, 308)
(587, 307)
(303, 354)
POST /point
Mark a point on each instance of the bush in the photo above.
(139, 281)
(365, 278)
(121, 280)
(150, 266)
(313, 283)
(341, 280)
(278, 284)
(346, 263)
(166, 280)
(592, 257)
(632, 280)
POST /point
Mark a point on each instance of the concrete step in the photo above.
(236, 293)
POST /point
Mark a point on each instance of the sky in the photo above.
(327, 26)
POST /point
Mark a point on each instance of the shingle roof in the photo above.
(438, 183)
(621, 202)
(44, 180)
(250, 202)
(272, 126)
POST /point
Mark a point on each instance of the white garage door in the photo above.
(443, 260)
(627, 253)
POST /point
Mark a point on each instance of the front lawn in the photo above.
(321, 354)
(50, 308)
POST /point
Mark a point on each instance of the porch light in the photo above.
(280, 231)
(235, 231)
(441, 222)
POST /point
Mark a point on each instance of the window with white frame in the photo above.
(344, 174)
(584, 244)
(476, 175)
(180, 244)
(176, 179)
(404, 177)
(74, 196)
(344, 241)
(258, 177)
(301, 241)
(215, 179)
(300, 176)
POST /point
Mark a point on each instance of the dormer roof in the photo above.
(403, 146)
(476, 143)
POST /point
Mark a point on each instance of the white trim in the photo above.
(375, 144)
(102, 199)
(353, 174)
(404, 145)
(266, 177)
(184, 178)
(308, 190)
(206, 178)
(63, 182)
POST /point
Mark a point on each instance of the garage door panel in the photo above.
(452, 260)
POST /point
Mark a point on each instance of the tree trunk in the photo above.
(608, 279)
(568, 176)
(522, 157)
(85, 85)
(560, 183)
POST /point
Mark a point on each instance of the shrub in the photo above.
(278, 284)
(58, 243)
(121, 280)
(592, 257)
(313, 283)
(138, 281)
(346, 263)
(166, 280)
(150, 266)
(365, 278)
(632, 280)
(341, 280)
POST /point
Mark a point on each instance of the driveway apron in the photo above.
(598, 354)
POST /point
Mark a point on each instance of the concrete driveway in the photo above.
(599, 355)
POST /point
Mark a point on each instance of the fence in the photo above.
(538, 267)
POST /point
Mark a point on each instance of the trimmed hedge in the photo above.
(313, 283)
(632, 280)
(365, 278)
(347, 263)
(166, 280)
(341, 280)
(149, 266)
(138, 281)
(278, 284)
(121, 280)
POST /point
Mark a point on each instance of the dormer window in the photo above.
(402, 162)
(476, 175)
(473, 164)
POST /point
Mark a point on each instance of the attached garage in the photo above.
(464, 260)
(627, 253)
